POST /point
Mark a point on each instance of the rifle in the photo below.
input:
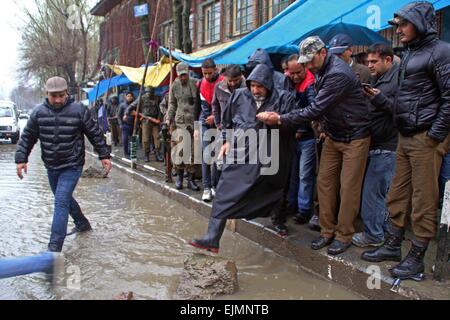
(166, 147)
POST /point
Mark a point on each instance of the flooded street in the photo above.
(138, 244)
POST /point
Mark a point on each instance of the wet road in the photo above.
(139, 243)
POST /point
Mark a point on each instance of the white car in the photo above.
(9, 123)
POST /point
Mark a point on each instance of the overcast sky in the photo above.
(10, 22)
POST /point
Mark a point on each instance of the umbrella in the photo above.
(360, 35)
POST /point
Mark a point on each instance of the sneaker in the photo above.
(213, 192)
(207, 196)
(280, 229)
(361, 240)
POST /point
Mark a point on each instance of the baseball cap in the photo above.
(339, 43)
(182, 68)
(56, 84)
(309, 48)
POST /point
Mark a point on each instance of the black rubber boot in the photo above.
(179, 182)
(191, 183)
(412, 265)
(210, 241)
(391, 250)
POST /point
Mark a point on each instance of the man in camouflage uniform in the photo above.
(182, 101)
(151, 118)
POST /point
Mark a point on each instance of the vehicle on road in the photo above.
(9, 122)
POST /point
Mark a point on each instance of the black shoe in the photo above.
(159, 157)
(391, 250)
(280, 229)
(412, 265)
(211, 240)
(80, 229)
(179, 182)
(147, 157)
(54, 248)
(320, 243)
(191, 183)
(314, 223)
(338, 247)
(301, 218)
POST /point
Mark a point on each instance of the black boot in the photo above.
(412, 265)
(159, 156)
(191, 183)
(179, 182)
(210, 241)
(391, 250)
(147, 157)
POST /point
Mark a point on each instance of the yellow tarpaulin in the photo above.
(156, 74)
(210, 50)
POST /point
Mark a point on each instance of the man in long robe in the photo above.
(244, 190)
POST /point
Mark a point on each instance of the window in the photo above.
(166, 29)
(211, 23)
(276, 6)
(242, 16)
(270, 8)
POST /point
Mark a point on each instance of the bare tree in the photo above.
(58, 38)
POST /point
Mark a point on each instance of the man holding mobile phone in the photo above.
(422, 116)
(381, 162)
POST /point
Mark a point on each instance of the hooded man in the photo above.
(260, 56)
(422, 115)
(61, 124)
(243, 190)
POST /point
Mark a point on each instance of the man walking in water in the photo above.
(61, 124)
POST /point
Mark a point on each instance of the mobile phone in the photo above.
(367, 85)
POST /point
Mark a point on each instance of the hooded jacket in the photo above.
(221, 95)
(423, 100)
(61, 133)
(243, 192)
(280, 81)
(339, 104)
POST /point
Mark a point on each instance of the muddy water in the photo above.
(138, 243)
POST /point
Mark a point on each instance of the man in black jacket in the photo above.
(61, 124)
(381, 163)
(422, 115)
(341, 104)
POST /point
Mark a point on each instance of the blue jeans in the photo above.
(209, 172)
(127, 132)
(303, 177)
(13, 267)
(379, 174)
(63, 183)
(444, 176)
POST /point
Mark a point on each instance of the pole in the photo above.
(138, 107)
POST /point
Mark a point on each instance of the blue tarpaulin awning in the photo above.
(102, 86)
(301, 17)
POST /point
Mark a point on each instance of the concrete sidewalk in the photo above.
(346, 269)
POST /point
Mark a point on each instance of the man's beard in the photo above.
(259, 98)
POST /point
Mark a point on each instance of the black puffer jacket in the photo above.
(61, 133)
(339, 104)
(423, 101)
